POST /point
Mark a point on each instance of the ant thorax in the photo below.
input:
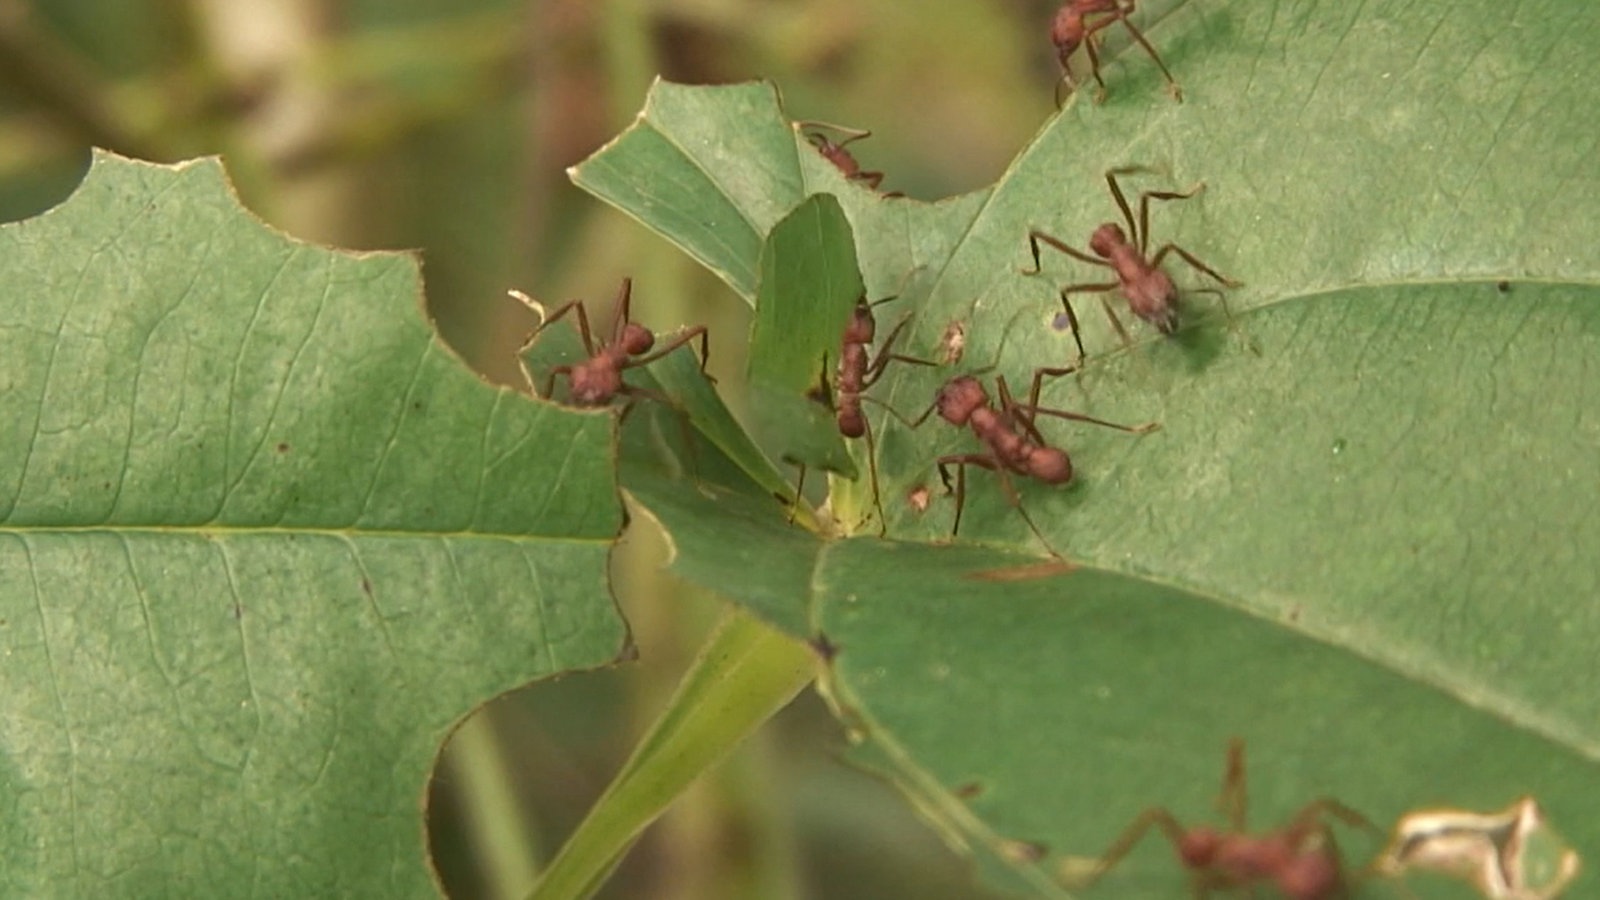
(595, 381)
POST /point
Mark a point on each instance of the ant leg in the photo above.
(1039, 375)
(1144, 210)
(876, 368)
(1034, 409)
(698, 331)
(1072, 322)
(1116, 323)
(1156, 817)
(583, 323)
(620, 315)
(1035, 236)
(1225, 281)
(550, 383)
(1172, 83)
(961, 461)
(799, 492)
(1094, 64)
(1234, 800)
(1013, 498)
(909, 423)
(872, 472)
(854, 134)
(1065, 79)
(1327, 806)
(870, 179)
(1192, 260)
(1146, 428)
(1136, 230)
(1072, 316)
(1013, 410)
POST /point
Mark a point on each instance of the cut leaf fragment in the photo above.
(809, 284)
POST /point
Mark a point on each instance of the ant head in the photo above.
(824, 145)
(1199, 847)
(1309, 876)
(960, 398)
(636, 339)
(863, 327)
(1066, 31)
(1107, 237)
(1050, 465)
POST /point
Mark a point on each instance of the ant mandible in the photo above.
(1149, 290)
(1072, 28)
(1301, 859)
(596, 381)
(840, 157)
(1014, 443)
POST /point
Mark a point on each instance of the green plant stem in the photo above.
(745, 673)
(479, 766)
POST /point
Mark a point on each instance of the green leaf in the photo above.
(809, 284)
(1358, 540)
(711, 169)
(263, 540)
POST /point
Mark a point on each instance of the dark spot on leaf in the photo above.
(1503, 287)
(969, 790)
(283, 446)
(416, 405)
(825, 648)
(366, 587)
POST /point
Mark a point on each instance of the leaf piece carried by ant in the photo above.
(809, 286)
(1512, 854)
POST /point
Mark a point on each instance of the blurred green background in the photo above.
(446, 126)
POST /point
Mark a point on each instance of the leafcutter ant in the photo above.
(1150, 292)
(841, 158)
(596, 381)
(1014, 444)
(1301, 859)
(857, 371)
(1507, 855)
(1075, 25)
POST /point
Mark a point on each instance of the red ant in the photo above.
(1072, 29)
(1014, 443)
(842, 158)
(856, 373)
(1150, 293)
(597, 380)
(1301, 858)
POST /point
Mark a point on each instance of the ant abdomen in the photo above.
(1050, 465)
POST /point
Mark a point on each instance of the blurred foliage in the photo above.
(447, 126)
